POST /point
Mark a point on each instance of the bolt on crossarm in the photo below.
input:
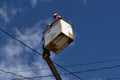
(46, 57)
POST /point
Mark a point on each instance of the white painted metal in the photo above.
(59, 36)
(66, 28)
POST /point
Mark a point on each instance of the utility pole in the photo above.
(46, 57)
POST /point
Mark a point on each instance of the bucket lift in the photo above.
(56, 38)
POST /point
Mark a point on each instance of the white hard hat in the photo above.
(55, 14)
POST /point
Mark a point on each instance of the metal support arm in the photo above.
(46, 57)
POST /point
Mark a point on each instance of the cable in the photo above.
(34, 77)
(11, 73)
(84, 71)
(19, 41)
(73, 65)
(14, 74)
(104, 68)
(36, 51)
(68, 71)
(27, 70)
(105, 61)
(113, 79)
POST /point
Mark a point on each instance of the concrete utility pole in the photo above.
(46, 57)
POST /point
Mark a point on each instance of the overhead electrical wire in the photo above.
(58, 64)
(17, 75)
(19, 41)
(82, 64)
(70, 65)
(114, 78)
(84, 71)
(68, 71)
(34, 77)
(28, 70)
(37, 52)
(96, 62)
(11, 73)
(98, 69)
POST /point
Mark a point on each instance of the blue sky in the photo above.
(96, 29)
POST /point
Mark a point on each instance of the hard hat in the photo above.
(48, 24)
(55, 14)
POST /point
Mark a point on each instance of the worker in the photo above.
(56, 16)
(48, 26)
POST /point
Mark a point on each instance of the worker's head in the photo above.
(54, 15)
(48, 25)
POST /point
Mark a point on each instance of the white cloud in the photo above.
(46, 0)
(34, 3)
(12, 52)
(4, 15)
(16, 57)
(8, 12)
(84, 2)
(11, 49)
(30, 36)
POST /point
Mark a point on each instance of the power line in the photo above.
(27, 70)
(7, 72)
(68, 71)
(19, 41)
(105, 61)
(36, 51)
(54, 62)
(113, 79)
(84, 71)
(98, 69)
(92, 70)
(11, 73)
(34, 77)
